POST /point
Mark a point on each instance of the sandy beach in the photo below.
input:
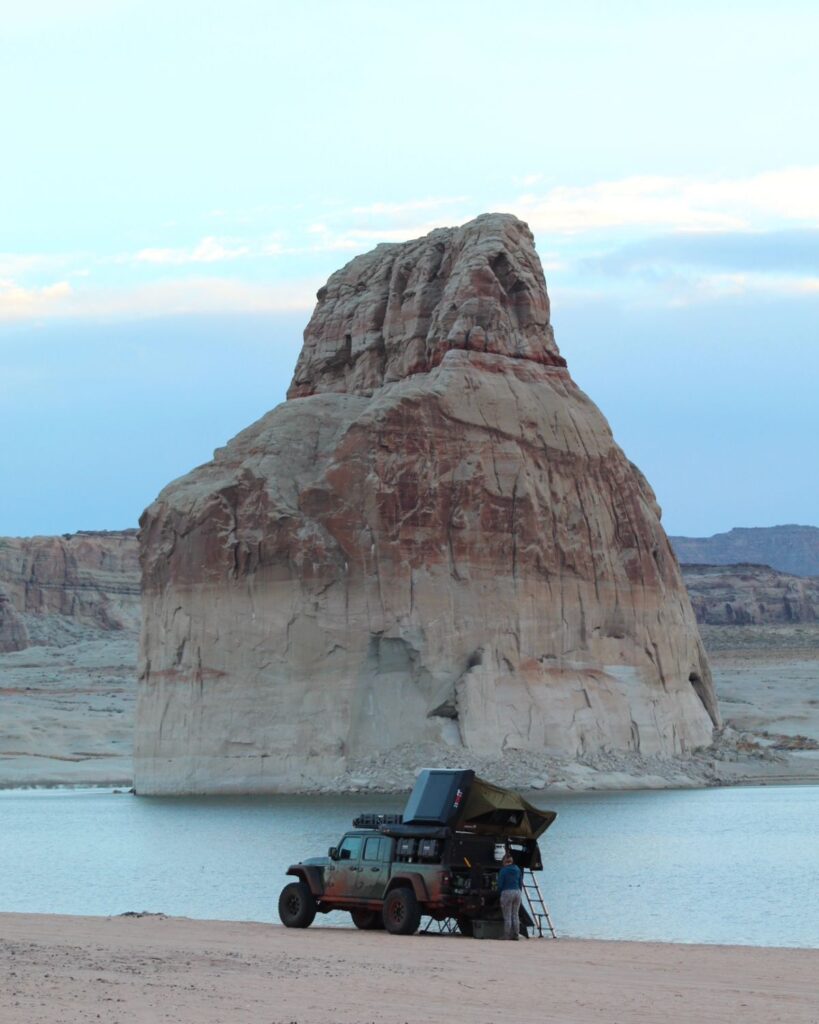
(145, 970)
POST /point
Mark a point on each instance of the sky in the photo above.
(179, 178)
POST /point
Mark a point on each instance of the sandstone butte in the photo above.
(53, 587)
(435, 541)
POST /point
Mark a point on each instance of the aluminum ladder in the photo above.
(538, 910)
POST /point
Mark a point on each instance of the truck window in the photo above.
(350, 848)
(372, 848)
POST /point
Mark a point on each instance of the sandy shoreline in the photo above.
(152, 969)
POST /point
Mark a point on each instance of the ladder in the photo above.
(536, 904)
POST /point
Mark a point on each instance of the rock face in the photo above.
(13, 632)
(436, 540)
(60, 588)
(69, 633)
(791, 549)
(744, 595)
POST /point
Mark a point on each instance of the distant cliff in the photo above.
(739, 595)
(55, 590)
(793, 549)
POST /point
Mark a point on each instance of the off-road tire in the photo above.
(465, 926)
(401, 912)
(297, 905)
(367, 920)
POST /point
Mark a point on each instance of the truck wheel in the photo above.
(367, 920)
(297, 906)
(401, 912)
(465, 926)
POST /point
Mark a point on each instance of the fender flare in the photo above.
(310, 875)
(412, 880)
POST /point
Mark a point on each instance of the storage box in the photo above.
(429, 849)
(482, 929)
(406, 847)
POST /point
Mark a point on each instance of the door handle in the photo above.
(375, 869)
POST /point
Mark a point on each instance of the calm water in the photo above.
(723, 865)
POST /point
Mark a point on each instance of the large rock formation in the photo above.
(744, 595)
(435, 540)
(59, 589)
(792, 549)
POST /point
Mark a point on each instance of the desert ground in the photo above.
(68, 718)
(149, 970)
(68, 712)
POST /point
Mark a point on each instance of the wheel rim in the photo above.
(293, 905)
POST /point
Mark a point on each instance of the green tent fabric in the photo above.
(489, 810)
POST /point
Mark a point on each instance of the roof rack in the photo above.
(374, 820)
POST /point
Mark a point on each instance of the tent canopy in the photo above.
(466, 803)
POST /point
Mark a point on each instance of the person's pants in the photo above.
(510, 905)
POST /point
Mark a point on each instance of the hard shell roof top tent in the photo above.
(463, 802)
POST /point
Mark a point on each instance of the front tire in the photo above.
(401, 912)
(297, 906)
(367, 920)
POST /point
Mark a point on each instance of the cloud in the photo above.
(715, 287)
(790, 251)
(16, 265)
(360, 239)
(676, 203)
(20, 303)
(408, 206)
(209, 250)
(159, 298)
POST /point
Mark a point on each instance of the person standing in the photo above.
(510, 880)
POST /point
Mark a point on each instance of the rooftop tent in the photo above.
(437, 796)
(466, 803)
(491, 810)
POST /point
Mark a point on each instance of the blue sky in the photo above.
(181, 177)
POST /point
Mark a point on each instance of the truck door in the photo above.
(374, 867)
(341, 877)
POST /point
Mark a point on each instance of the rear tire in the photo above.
(401, 912)
(465, 926)
(297, 906)
(367, 920)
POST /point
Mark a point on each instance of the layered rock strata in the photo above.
(13, 632)
(434, 541)
(60, 588)
(791, 549)
(750, 595)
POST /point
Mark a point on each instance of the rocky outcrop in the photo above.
(791, 549)
(397, 311)
(13, 632)
(58, 588)
(435, 541)
(743, 595)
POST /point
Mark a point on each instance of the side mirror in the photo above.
(332, 853)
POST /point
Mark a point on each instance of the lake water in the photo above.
(719, 865)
